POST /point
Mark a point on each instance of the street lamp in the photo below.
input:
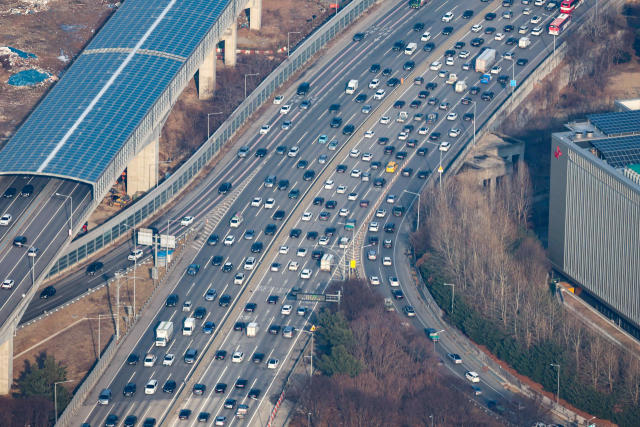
(213, 114)
(288, 48)
(417, 194)
(431, 416)
(474, 123)
(55, 396)
(453, 288)
(245, 82)
(352, 245)
(558, 393)
(70, 216)
(434, 342)
(513, 75)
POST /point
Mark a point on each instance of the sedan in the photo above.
(522, 61)
(168, 360)
(477, 41)
(229, 240)
(535, 20)
(452, 115)
(286, 125)
(379, 94)
(454, 133)
(6, 220)
(496, 69)
(220, 388)
(454, 358)
(151, 387)
(397, 294)
(490, 16)
(187, 220)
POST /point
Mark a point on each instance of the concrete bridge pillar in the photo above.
(230, 39)
(255, 14)
(142, 171)
(6, 365)
(207, 76)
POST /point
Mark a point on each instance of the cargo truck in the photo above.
(252, 329)
(325, 262)
(524, 42)
(433, 334)
(485, 61)
(188, 326)
(164, 334)
(452, 79)
(236, 219)
(388, 305)
(402, 116)
(461, 86)
(242, 411)
(352, 86)
(417, 4)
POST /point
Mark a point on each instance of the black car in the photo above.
(474, 90)
(241, 383)
(111, 421)
(449, 53)
(373, 240)
(361, 98)
(318, 201)
(383, 140)
(278, 215)
(220, 354)
(261, 152)
(133, 359)
(511, 41)
(294, 233)
(348, 129)
(468, 117)
(273, 299)
(447, 30)
(283, 184)
(257, 357)
(407, 172)
(9, 193)
(250, 307)
(331, 204)
(415, 103)
(459, 45)
(503, 79)
(487, 96)
(399, 45)
(302, 164)
(225, 188)
(392, 82)
(27, 190)
(465, 101)
(130, 421)
(281, 149)
(336, 122)
(467, 14)
(334, 108)
(274, 329)
(239, 326)
(225, 300)
(522, 61)
(397, 294)
(215, 261)
(423, 94)
(93, 268)
(489, 30)
(309, 175)
(213, 239)
(149, 422)
(172, 299)
(379, 182)
(508, 28)
(49, 291)
(256, 248)
(220, 388)
(389, 150)
(193, 269)
(200, 313)
(270, 230)
(412, 143)
(317, 254)
(303, 88)
(477, 41)
(329, 231)
(341, 168)
(184, 414)
(431, 85)
(435, 136)
(398, 104)
(423, 174)
(294, 193)
(364, 203)
(387, 72)
(418, 27)
(227, 267)
(230, 403)
(390, 227)
(203, 417)
(401, 155)
(398, 210)
(490, 16)
(254, 393)
(375, 68)
(429, 47)
(169, 387)
(422, 151)
(409, 65)
(312, 235)
(129, 389)
(358, 37)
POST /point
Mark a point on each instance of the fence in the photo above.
(164, 193)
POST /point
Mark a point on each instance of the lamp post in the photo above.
(352, 246)
(245, 82)
(558, 392)
(70, 216)
(213, 114)
(118, 275)
(309, 419)
(417, 194)
(55, 395)
(100, 316)
(292, 32)
(431, 416)
(474, 123)
(434, 342)
(453, 289)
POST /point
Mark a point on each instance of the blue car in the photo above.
(208, 327)
(322, 139)
(486, 78)
(193, 269)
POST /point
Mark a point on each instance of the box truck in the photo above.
(325, 262)
(189, 326)
(164, 334)
(485, 61)
(252, 329)
(352, 86)
(461, 86)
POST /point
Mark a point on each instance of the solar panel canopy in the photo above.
(619, 152)
(88, 116)
(617, 123)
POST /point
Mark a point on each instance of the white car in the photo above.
(435, 66)
(355, 173)
(527, 11)
(450, 61)
(7, 284)
(540, 2)
(307, 216)
(355, 153)
(373, 84)
(293, 152)
(301, 252)
(455, 358)
(464, 54)
(135, 255)
(301, 311)
(379, 94)
(447, 17)
(375, 280)
(423, 131)
(286, 309)
(341, 189)
(366, 157)
(168, 359)
(250, 263)
(535, 20)
(186, 306)
(536, 31)
(149, 360)
(352, 196)
(391, 198)
(269, 203)
(293, 266)
(444, 146)
(381, 213)
(425, 37)
(402, 136)
(454, 133)
(393, 281)
(386, 261)
(324, 241)
(369, 134)
(499, 36)
(508, 55)
(187, 220)
(343, 212)
(285, 109)
(496, 69)
(265, 129)
(237, 357)
(374, 226)
(239, 279)
(256, 202)
(384, 120)
(472, 376)
(272, 364)
(284, 249)
(275, 267)
(328, 185)
(151, 387)
(306, 273)
(452, 116)
(476, 28)
(229, 240)
(278, 99)
(6, 219)
(523, 29)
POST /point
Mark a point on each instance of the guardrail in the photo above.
(109, 232)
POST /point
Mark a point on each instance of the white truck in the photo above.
(236, 219)
(452, 79)
(164, 334)
(402, 116)
(411, 47)
(188, 326)
(461, 86)
(325, 262)
(524, 42)
(352, 87)
(252, 329)
(388, 305)
(485, 61)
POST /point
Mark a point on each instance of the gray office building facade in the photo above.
(594, 212)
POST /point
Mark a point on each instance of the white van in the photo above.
(410, 49)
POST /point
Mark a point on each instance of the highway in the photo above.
(348, 61)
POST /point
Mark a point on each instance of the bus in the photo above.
(568, 6)
(559, 24)
(417, 4)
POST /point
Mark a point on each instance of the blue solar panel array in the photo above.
(619, 152)
(624, 122)
(105, 129)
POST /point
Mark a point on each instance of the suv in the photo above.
(303, 88)
(20, 241)
(94, 268)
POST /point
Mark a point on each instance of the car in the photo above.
(200, 313)
(452, 116)
(239, 326)
(220, 388)
(341, 189)
(447, 17)
(193, 269)
(301, 252)
(551, 6)
(408, 311)
(523, 29)
(434, 136)
(472, 376)
(238, 279)
(369, 134)
(487, 96)
(208, 328)
(373, 84)
(48, 292)
(254, 394)
(433, 100)
(348, 129)
(220, 355)
(429, 47)
(389, 227)
(489, 30)
(111, 420)
(507, 14)
(379, 94)
(391, 167)
(474, 90)
(331, 204)
(399, 45)
(537, 31)
(522, 61)
(285, 109)
(322, 159)
(361, 98)
(454, 133)
(221, 420)
(435, 66)
(444, 146)
(496, 69)
(508, 28)
(203, 417)
(397, 294)
(476, 28)
(408, 66)
(379, 182)
(286, 309)
(151, 387)
(400, 155)
(168, 360)
(385, 120)
(301, 311)
(494, 406)
(381, 213)
(6, 220)
(535, 20)
(375, 68)
(499, 36)
(199, 389)
(306, 273)
(241, 383)
(454, 358)
(237, 357)
(293, 152)
(477, 41)
(389, 150)
(376, 165)
(304, 105)
(490, 16)
(468, 117)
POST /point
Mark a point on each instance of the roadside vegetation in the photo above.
(503, 299)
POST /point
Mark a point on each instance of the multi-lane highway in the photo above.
(348, 61)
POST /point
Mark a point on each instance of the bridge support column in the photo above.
(207, 76)
(6, 365)
(230, 39)
(255, 14)
(142, 171)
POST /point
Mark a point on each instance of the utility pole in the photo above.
(417, 194)
(118, 274)
(70, 216)
(558, 393)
